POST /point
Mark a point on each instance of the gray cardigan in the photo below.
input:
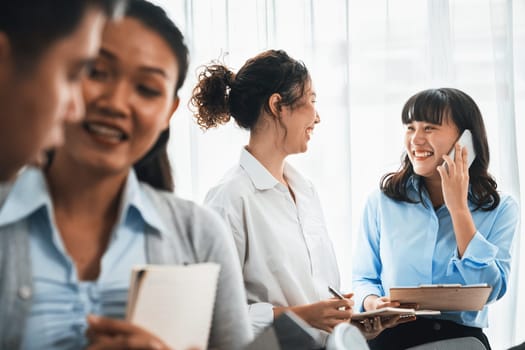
(194, 234)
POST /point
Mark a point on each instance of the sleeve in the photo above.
(261, 314)
(346, 336)
(231, 325)
(367, 261)
(232, 223)
(487, 258)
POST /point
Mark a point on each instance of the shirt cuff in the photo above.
(346, 336)
(363, 292)
(479, 254)
(261, 316)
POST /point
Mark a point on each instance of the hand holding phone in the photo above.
(465, 140)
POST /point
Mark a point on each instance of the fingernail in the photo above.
(92, 318)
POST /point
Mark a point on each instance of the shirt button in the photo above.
(436, 326)
(24, 292)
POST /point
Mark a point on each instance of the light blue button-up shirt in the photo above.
(60, 302)
(406, 244)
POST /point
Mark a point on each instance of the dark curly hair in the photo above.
(432, 106)
(221, 94)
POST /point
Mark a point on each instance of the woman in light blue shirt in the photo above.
(430, 225)
(70, 235)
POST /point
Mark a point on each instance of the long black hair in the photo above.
(154, 168)
(432, 106)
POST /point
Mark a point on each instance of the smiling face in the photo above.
(299, 122)
(129, 96)
(426, 143)
(34, 104)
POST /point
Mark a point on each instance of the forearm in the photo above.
(277, 311)
(299, 310)
(482, 262)
(464, 229)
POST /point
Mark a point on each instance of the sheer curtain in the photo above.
(366, 57)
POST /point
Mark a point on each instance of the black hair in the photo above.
(154, 168)
(221, 94)
(433, 106)
(155, 18)
(34, 25)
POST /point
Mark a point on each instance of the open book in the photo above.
(174, 302)
(388, 312)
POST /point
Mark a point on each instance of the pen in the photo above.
(335, 293)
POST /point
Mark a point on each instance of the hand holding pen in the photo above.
(326, 314)
(341, 296)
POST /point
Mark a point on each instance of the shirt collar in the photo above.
(295, 179)
(134, 198)
(413, 186)
(263, 180)
(28, 194)
(414, 182)
(260, 176)
(5, 188)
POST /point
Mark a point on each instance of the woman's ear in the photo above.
(274, 102)
(173, 108)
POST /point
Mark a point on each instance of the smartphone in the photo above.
(465, 140)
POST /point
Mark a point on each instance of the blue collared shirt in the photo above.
(60, 302)
(406, 244)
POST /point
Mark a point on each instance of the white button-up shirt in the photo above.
(285, 252)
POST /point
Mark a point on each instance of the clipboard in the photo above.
(444, 297)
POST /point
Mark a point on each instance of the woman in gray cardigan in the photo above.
(69, 235)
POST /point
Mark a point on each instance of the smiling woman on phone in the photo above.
(431, 224)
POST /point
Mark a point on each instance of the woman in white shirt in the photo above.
(274, 213)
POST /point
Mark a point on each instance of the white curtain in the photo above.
(366, 57)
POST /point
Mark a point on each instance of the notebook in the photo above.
(174, 302)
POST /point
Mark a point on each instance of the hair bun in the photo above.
(210, 97)
(229, 77)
